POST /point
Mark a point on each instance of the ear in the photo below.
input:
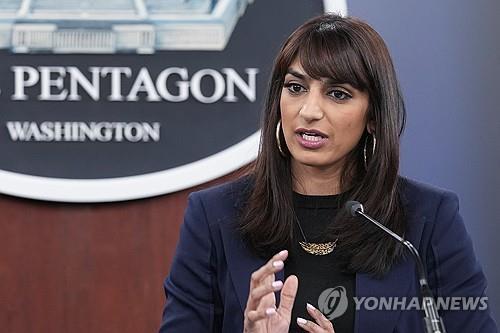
(370, 126)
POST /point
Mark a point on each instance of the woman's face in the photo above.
(322, 120)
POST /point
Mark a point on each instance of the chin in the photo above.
(318, 159)
(312, 161)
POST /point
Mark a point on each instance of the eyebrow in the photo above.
(297, 74)
(326, 81)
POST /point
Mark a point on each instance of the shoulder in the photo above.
(208, 210)
(426, 198)
(430, 211)
(222, 198)
(232, 188)
(234, 191)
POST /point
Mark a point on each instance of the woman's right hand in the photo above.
(261, 314)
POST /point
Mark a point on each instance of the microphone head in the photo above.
(352, 207)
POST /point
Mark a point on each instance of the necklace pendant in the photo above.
(319, 249)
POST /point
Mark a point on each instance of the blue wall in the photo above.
(447, 55)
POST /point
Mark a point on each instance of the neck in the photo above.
(311, 180)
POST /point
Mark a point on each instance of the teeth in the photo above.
(308, 137)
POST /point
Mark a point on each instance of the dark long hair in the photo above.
(348, 51)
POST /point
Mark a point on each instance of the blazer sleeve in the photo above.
(457, 273)
(191, 305)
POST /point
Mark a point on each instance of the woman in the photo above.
(274, 251)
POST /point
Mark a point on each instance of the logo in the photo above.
(453, 303)
(116, 100)
(141, 26)
(333, 302)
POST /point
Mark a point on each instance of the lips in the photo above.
(312, 132)
(311, 138)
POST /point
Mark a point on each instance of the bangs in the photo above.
(329, 54)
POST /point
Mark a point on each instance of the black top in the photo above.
(319, 276)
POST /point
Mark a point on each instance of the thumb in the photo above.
(287, 298)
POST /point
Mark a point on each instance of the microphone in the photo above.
(432, 321)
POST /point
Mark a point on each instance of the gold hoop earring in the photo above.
(278, 141)
(373, 149)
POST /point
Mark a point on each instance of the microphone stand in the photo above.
(432, 321)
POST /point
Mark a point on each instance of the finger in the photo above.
(259, 292)
(309, 326)
(274, 265)
(320, 318)
(288, 293)
(256, 315)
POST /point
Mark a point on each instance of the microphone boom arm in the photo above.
(432, 321)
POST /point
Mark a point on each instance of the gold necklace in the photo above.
(317, 249)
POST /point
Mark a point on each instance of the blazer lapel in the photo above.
(241, 263)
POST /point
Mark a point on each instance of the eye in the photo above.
(294, 88)
(340, 94)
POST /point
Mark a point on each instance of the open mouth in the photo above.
(311, 135)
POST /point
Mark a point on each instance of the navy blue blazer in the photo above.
(208, 284)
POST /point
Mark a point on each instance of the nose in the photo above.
(312, 109)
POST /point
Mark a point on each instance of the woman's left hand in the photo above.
(322, 324)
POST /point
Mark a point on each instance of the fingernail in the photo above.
(277, 285)
(282, 253)
(278, 264)
(270, 311)
(310, 307)
(301, 321)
